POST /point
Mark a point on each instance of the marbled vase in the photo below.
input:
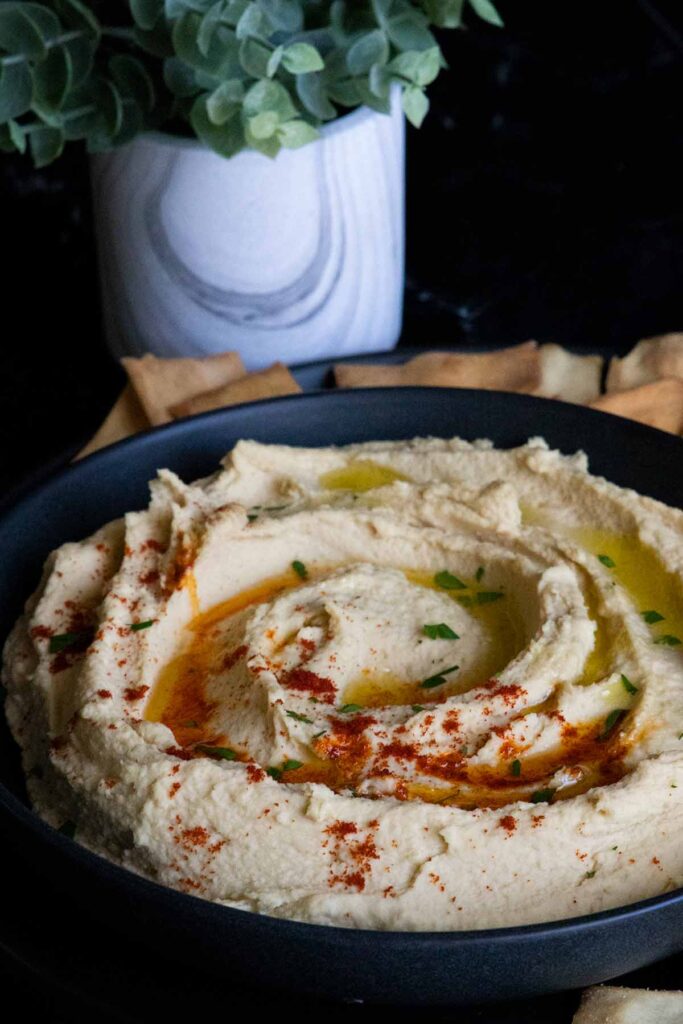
(295, 258)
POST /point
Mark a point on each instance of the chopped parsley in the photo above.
(190, 724)
(589, 874)
(440, 631)
(651, 616)
(135, 626)
(607, 561)
(667, 640)
(516, 768)
(487, 596)
(542, 796)
(479, 574)
(317, 734)
(251, 516)
(417, 708)
(466, 601)
(611, 722)
(300, 569)
(299, 718)
(62, 641)
(221, 753)
(287, 766)
(628, 685)
(448, 581)
(347, 709)
(439, 679)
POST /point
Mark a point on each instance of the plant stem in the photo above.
(112, 31)
(65, 37)
(72, 115)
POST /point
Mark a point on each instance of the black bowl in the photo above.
(390, 967)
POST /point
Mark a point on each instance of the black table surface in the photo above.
(543, 201)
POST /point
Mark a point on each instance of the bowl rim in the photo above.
(13, 806)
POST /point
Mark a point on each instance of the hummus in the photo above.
(424, 685)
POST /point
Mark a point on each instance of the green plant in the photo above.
(256, 73)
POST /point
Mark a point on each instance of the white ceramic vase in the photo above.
(296, 258)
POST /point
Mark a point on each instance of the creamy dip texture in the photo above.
(423, 685)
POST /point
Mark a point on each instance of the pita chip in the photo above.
(649, 360)
(276, 380)
(569, 377)
(162, 383)
(611, 1004)
(509, 369)
(125, 418)
(658, 404)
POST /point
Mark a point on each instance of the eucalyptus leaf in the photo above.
(345, 92)
(254, 58)
(81, 56)
(301, 59)
(52, 79)
(110, 107)
(285, 15)
(372, 48)
(295, 133)
(263, 126)
(17, 135)
(272, 96)
(233, 11)
(145, 12)
(410, 32)
(445, 13)
(131, 123)
(227, 139)
(180, 78)
(420, 67)
(208, 25)
(382, 104)
(6, 143)
(133, 79)
(274, 61)
(176, 8)
(157, 41)
(25, 28)
(46, 144)
(415, 105)
(76, 14)
(379, 80)
(80, 117)
(222, 57)
(312, 90)
(486, 10)
(224, 102)
(253, 24)
(16, 90)
(269, 147)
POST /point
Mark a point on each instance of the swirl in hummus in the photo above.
(424, 685)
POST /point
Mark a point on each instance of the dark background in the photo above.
(543, 201)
